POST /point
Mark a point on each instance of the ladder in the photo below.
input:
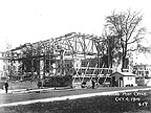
(93, 72)
(100, 76)
(85, 72)
(107, 75)
(77, 75)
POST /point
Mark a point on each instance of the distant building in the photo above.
(4, 60)
(142, 70)
(123, 79)
(2, 64)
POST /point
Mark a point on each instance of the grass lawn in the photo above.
(122, 103)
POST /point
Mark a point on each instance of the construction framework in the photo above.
(74, 54)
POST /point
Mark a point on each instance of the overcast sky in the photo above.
(23, 21)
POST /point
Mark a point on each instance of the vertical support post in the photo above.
(85, 72)
(11, 71)
(75, 40)
(92, 46)
(61, 61)
(32, 67)
(42, 70)
(44, 66)
(84, 47)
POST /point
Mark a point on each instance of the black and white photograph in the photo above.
(75, 56)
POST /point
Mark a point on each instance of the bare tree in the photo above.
(112, 46)
(126, 25)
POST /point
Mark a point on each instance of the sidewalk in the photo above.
(34, 90)
(24, 90)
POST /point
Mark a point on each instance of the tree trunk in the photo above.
(124, 57)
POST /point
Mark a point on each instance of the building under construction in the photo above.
(75, 54)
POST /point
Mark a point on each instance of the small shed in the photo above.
(123, 79)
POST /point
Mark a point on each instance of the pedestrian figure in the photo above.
(93, 84)
(6, 86)
(83, 85)
(39, 84)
